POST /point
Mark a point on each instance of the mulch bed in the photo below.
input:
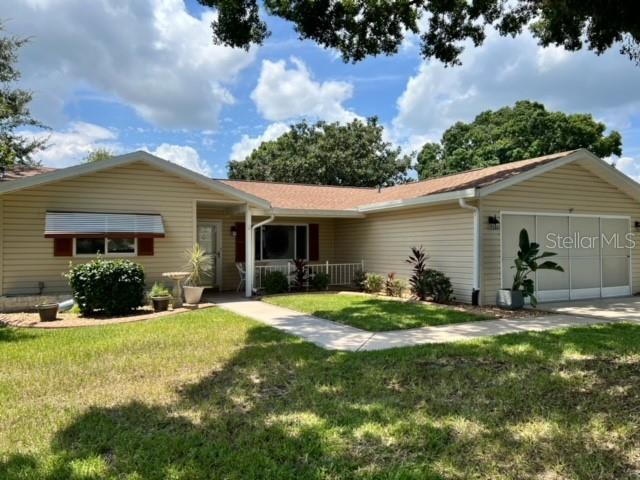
(487, 310)
(72, 320)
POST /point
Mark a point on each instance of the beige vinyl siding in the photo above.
(384, 240)
(568, 189)
(230, 275)
(27, 257)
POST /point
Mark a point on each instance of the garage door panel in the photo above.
(585, 232)
(550, 230)
(615, 272)
(511, 226)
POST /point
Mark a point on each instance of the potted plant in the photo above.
(525, 264)
(48, 312)
(160, 297)
(198, 264)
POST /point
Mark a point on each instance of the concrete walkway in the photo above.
(335, 336)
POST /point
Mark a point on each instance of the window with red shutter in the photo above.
(314, 242)
(240, 242)
(145, 246)
(63, 247)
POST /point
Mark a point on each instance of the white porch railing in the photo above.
(340, 274)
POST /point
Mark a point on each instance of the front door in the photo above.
(210, 239)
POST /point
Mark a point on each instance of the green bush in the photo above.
(436, 286)
(114, 287)
(393, 286)
(358, 280)
(159, 290)
(320, 281)
(373, 283)
(275, 282)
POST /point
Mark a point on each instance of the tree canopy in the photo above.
(353, 154)
(14, 108)
(360, 28)
(523, 131)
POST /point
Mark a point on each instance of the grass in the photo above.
(212, 395)
(373, 314)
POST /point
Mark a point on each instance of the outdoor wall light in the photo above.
(494, 222)
(636, 224)
(234, 231)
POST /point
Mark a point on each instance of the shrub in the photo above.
(373, 283)
(159, 290)
(393, 286)
(418, 261)
(437, 286)
(320, 281)
(275, 282)
(300, 274)
(359, 278)
(114, 287)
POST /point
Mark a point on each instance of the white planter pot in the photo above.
(192, 294)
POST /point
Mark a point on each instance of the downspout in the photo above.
(252, 245)
(475, 294)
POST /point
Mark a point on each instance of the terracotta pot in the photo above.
(160, 304)
(48, 312)
(192, 295)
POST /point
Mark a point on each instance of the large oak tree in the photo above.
(353, 154)
(525, 130)
(15, 149)
(359, 28)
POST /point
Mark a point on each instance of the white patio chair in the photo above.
(242, 273)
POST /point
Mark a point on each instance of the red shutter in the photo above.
(63, 247)
(314, 242)
(240, 242)
(145, 246)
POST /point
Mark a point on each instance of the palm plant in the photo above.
(527, 263)
(199, 264)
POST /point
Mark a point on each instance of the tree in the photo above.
(359, 28)
(98, 154)
(525, 130)
(14, 109)
(326, 153)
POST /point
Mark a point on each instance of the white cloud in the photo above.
(284, 93)
(505, 70)
(149, 54)
(70, 146)
(184, 156)
(628, 165)
(247, 144)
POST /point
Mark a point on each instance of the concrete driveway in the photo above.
(621, 308)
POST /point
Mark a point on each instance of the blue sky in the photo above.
(145, 75)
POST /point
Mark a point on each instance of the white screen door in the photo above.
(210, 239)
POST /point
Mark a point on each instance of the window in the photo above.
(105, 246)
(281, 242)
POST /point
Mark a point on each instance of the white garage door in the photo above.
(593, 250)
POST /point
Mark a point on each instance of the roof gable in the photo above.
(30, 181)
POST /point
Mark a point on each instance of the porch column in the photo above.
(249, 259)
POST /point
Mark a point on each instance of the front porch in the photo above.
(246, 244)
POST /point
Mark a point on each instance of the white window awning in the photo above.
(75, 224)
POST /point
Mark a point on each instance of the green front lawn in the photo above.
(373, 314)
(211, 395)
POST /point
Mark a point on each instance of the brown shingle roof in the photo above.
(320, 197)
(24, 172)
